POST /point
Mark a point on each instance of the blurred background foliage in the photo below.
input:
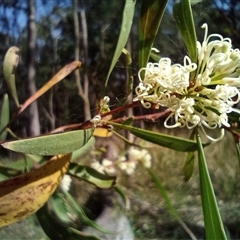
(55, 46)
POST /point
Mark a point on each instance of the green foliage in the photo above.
(172, 142)
(80, 141)
(51, 144)
(151, 15)
(91, 175)
(9, 67)
(212, 219)
(128, 14)
(4, 116)
(184, 20)
(188, 166)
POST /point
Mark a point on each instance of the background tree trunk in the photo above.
(82, 91)
(34, 125)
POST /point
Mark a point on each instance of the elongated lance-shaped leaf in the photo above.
(9, 66)
(127, 19)
(182, 12)
(55, 228)
(4, 116)
(188, 166)
(151, 16)
(189, 162)
(23, 195)
(212, 220)
(79, 210)
(175, 143)
(91, 175)
(66, 70)
(51, 144)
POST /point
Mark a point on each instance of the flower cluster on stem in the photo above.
(198, 94)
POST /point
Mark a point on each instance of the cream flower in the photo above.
(140, 155)
(201, 94)
(66, 183)
(106, 166)
(126, 166)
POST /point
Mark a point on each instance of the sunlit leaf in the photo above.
(91, 175)
(151, 16)
(127, 19)
(212, 220)
(4, 116)
(51, 144)
(188, 166)
(172, 142)
(184, 19)
(9, 66)
(65, 71)
(23, 195)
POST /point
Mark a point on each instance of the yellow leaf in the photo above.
(23, 195)
(102, 132)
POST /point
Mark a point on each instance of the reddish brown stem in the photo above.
(151, 117)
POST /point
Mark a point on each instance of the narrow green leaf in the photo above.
(184, 19)
(78, 235)
(188, 166)
(127, 19)
(53, 228)
(58, 228)
(9, 65)
(212, 220)
(125, 198)
(151, 16)
(4, 116)
(78, 209)
(172, 142)
(91, 175)
(53, 144)
(59, 208)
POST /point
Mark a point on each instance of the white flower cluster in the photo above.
(127, 163)
(201, 93)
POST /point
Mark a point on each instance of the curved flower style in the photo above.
(198, 94)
